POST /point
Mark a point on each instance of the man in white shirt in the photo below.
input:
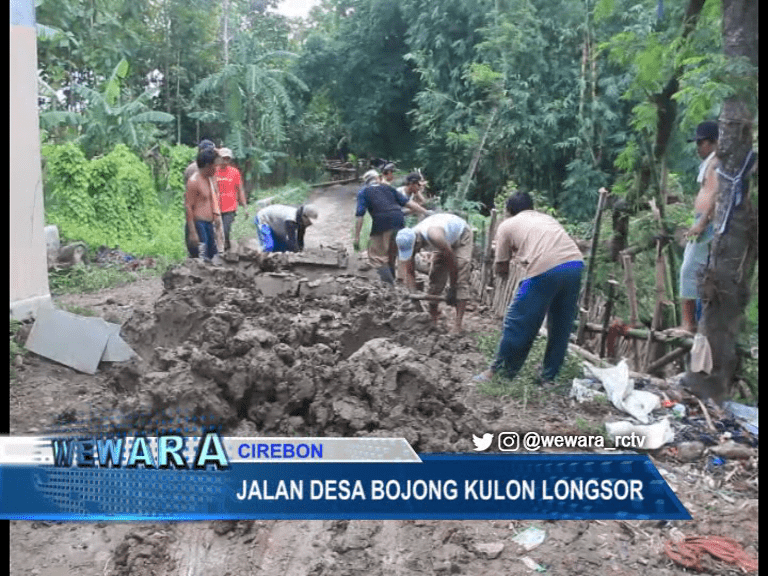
(281, 228)
(451, 240)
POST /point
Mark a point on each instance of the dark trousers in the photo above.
(206, 234)
(554, 294)
(226, 221)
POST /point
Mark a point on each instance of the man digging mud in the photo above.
(450, 237)
(553, 265)
(201, 206)
(384, 203)
(281, 228)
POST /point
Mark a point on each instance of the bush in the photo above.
(112, 200)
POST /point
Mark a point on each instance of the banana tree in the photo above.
(106, 119)
(256, 104)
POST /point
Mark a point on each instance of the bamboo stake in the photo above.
(591, 266)
(607, 315)
(629, 281)
(661, 291)
(706, 414)
(486, 269)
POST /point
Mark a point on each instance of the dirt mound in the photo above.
(275, 353)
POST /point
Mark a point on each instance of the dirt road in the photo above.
(336, 211)
(348, 358)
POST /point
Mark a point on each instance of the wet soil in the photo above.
(269, 346)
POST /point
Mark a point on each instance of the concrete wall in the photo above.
(28, 264)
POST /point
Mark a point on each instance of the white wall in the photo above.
(28, 264)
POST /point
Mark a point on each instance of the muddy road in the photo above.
(270, 349)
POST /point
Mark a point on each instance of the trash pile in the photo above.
(106, 256)
(730, 436)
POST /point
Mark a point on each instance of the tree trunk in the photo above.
(665, 120)
(724, 287)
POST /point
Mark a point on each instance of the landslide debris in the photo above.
(262, 348)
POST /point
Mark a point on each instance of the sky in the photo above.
(294, 8)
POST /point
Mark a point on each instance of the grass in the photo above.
(79, 310)
(525, 385)
(16, 348)
(82, 278)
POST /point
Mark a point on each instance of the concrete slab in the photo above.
(318, 257)
(69, 339)
(276, 284)
(117, 349)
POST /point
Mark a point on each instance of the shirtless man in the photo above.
(201, 205)
(188, 172)
(701, 233)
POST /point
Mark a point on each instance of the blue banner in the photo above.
(441, 486)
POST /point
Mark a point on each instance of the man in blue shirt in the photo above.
(384, 203)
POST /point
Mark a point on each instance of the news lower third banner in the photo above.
(227, 478)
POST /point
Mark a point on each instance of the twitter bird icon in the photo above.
(482, 443)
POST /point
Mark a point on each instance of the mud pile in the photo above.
(261, 348)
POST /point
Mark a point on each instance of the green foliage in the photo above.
(65, 183)
(361, 64)
(110, 200)
(169, 167)
(80, 310)
(511, 93)
(255, 96)
(81, 278)
(105, 121)
(16, 349)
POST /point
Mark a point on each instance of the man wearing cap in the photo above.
(701, 233)
(412, 189)
(384, 203)
(388, 173)
(231, 192)
(450, 238)
(192, 168)
(192, 247)
(281, 228)
(553, 266)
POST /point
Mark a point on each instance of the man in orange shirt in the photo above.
(230, 192)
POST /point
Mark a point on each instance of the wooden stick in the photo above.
(487, 263)
(667, 358)
(431, 297)
(634, 250)
(629, 281)
(332, 182)
(592, 255)
(706, 414)
(607, 315)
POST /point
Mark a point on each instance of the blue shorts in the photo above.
(694, 261)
